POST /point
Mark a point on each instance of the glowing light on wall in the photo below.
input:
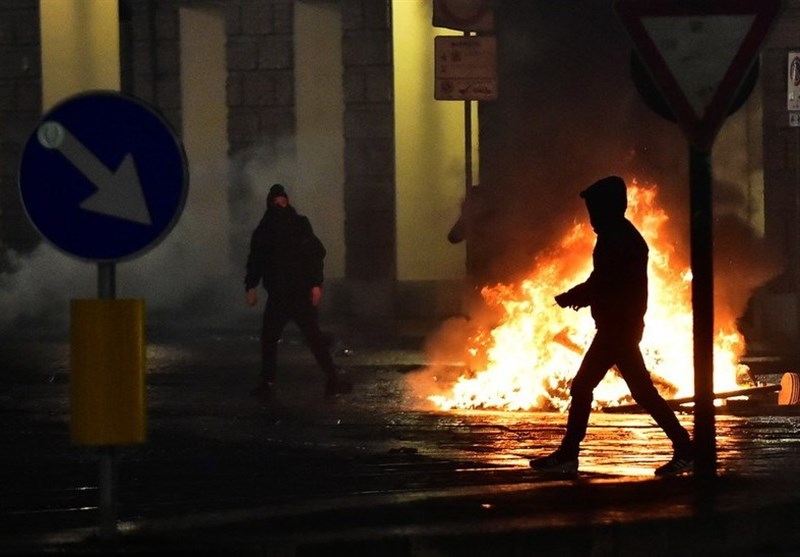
(429, 152)
(80, 47)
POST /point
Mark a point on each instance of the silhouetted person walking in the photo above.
(616, 291)
(287, 258)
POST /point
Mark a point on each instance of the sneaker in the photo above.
(677, 466)
(556, 463)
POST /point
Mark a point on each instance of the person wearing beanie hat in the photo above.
(277, 192)
(616, 292)
(287, 258)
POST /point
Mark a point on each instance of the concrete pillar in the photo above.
(204, 118)
(429, 153)
(319, 101)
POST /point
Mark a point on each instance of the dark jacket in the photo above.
(285, 255)
(617, 288)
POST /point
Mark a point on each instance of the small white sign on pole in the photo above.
(793, 81)
(466, 68)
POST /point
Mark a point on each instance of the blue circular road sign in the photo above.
(103, 177)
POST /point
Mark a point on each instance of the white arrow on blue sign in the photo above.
(103, 177)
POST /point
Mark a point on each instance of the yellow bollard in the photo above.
(107, 369)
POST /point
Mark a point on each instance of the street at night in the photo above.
(378, 470)
(485, 223)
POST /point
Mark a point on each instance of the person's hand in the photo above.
(567, 299)
(252, 297)
(316, 295)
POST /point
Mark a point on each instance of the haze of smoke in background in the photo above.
(194, 276)
(743, 261)
(568, 115)
(41, 285)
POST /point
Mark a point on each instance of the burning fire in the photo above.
(527, 360)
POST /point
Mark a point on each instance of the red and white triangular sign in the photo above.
(698, 53)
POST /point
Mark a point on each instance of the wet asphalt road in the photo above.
(219, 463)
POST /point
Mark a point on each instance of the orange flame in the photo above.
(527, 360)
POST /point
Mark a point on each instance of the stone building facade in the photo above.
(260, 97)
(20, 109)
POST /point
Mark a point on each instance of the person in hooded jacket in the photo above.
(287, 258)
(616, 292)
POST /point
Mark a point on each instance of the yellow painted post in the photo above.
(107, 372)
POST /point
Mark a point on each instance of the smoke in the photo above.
(39, 286)
(568, 114)
(743, 261)
(194, 276)
(252, 173)
(448, 352)
(190, 275)
(186, 274)
(445, 350)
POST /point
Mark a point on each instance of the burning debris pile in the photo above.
(527, 357)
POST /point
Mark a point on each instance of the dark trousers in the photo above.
(277, 314)
(609, 349)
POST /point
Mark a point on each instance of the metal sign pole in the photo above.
(468, 144)
(703, 311)
(148, 187)
(796, 269)
(679, 52)
(106, 280)
(106, 290)
(468, 139)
